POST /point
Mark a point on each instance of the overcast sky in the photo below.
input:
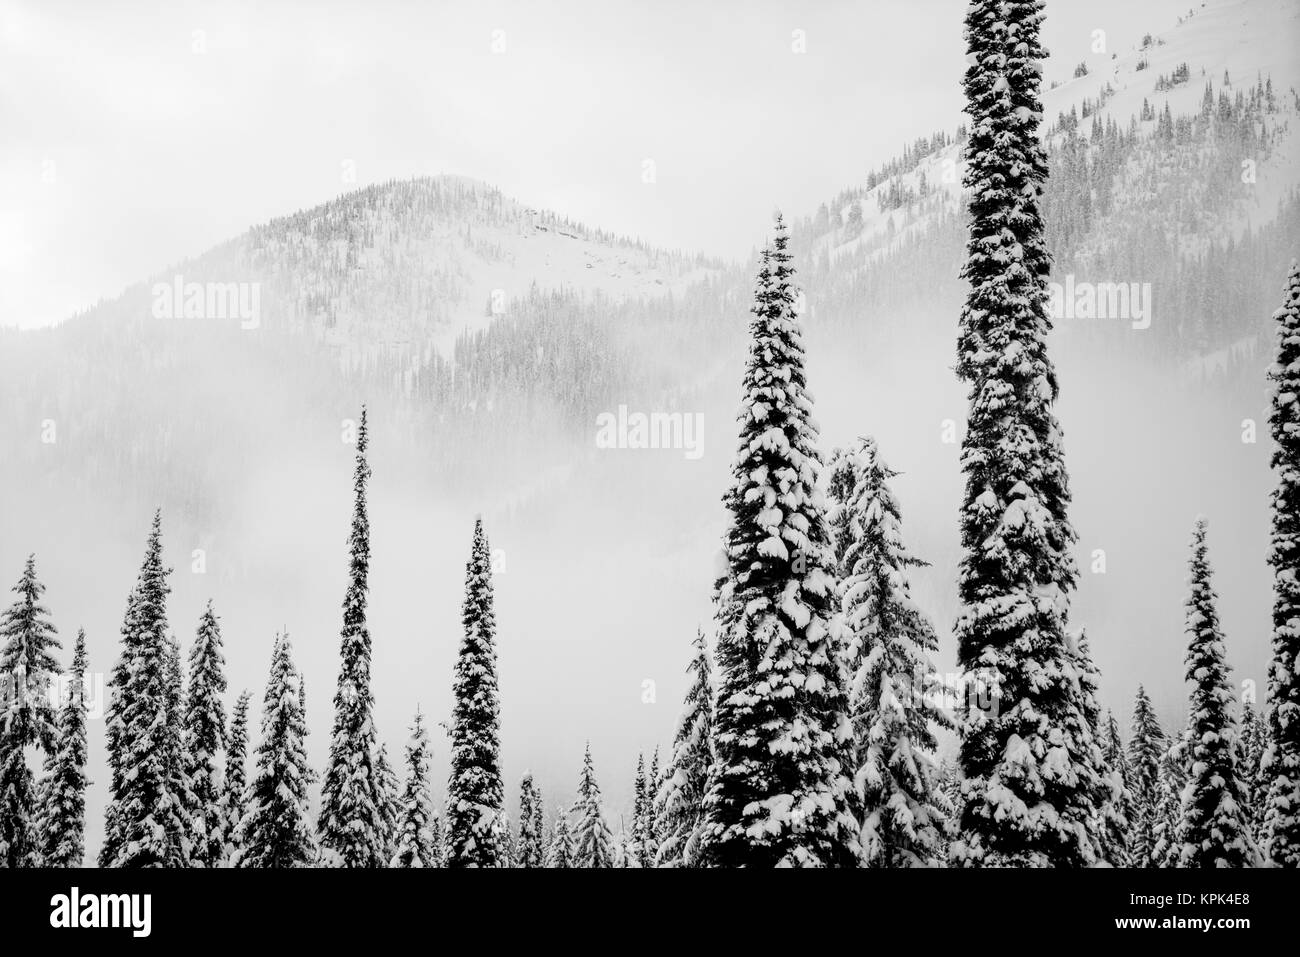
(137, 134)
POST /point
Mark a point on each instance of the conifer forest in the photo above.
(943, 513)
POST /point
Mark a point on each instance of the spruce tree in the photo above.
(1213, 830)
(560, 854)
(236, 780)
(780, 792)
(593, 842)
(276, 829)
(146, 820)
(350, 825)
(63, 818)
(28, 715)
(474, 791)
(1027, 751)
(1281, 763)
(415, 846)
(1146, 749)
(680, 800)
(530, 824)
(892, 678)
(390, 802)
(1120, 808)
(205, 740)
(638, 848)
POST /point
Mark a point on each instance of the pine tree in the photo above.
(1213, 831)
(415, 835)
(236, 781)
(530, 824)
(276, 828)
(1030, 789)
(561, 852)
(146, 821)
(350, 825)
(1146, 748)
(474, 792)
(638, 849)
(1109, 821)
(390, 802)
(593, 842)
(205, 739)
(63, 818)
(28, 715)
(892, 679)
(779, 793)
(1281, 763)
(680, 799)
(1120, 807)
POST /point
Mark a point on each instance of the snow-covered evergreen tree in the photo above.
(1146, 748)
(593, 844)
(350, 826)
(437, 840)
(530, 824)
(1120, 808)
(415, 834)
(779, 792)
(1027, 751)
(1252, 742)
(205, 740)
(639, 851)
(654, 832)
(236, 778)
(389, 792)
(63, 817)
(1213, 830)
(560, 852)
(1169, 813)
(146, 824)
(1281, 764)
(680, 800)
(475, 794)
(892, 678)
(276, 829)
(28, 715)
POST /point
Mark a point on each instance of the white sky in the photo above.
(157, 152)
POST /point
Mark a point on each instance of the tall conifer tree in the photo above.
(1027, 752)
(276, 829)
(1281, 763)
(350, 826)
(205, 741)
(530, 824)
(892, 678)
(1213, 831)
(1147, 746)
(147, 824)
(28, 715)
(475, 795)
(415, 837)
(779, 792)
(236, 777)
(593, 842)
(63, 818)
